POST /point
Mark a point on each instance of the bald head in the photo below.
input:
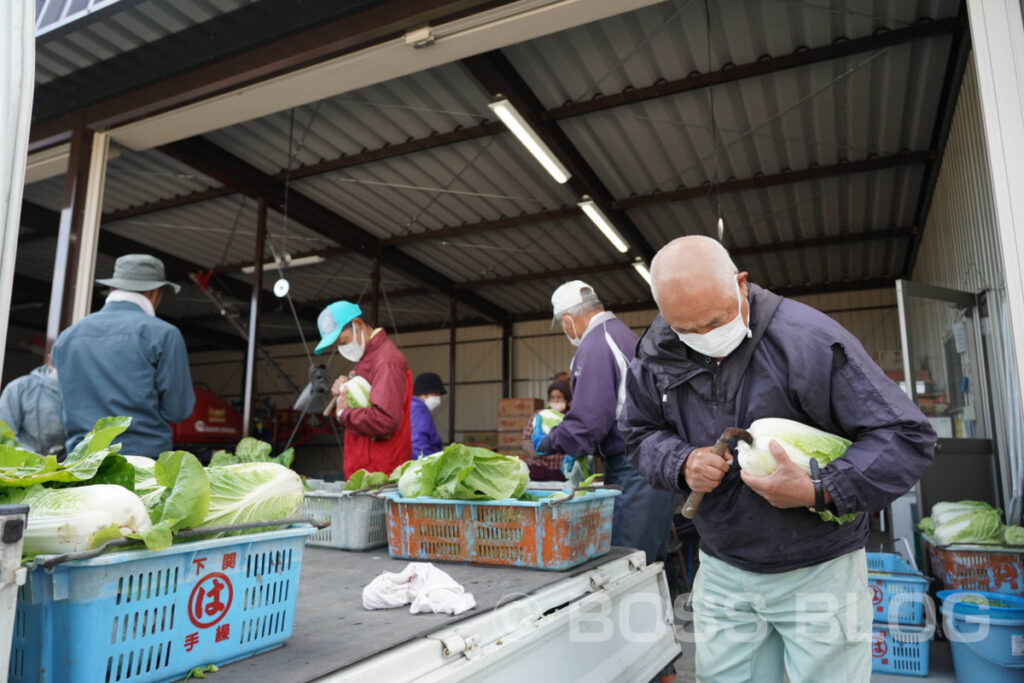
(694, 283)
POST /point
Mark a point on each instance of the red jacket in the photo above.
(379, 438)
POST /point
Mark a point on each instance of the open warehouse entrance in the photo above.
(835, 148)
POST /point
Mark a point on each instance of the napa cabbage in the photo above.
(252, 450)
(980, 525)
(363, 479)
(461, 472)
(252, 492)
(358, 392)
(548, 419)
(1013, 534)
(68, 520)
(801, 443)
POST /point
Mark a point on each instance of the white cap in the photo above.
(572, 293)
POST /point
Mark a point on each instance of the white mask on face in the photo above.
(723, 340)
(573, 339)
(353, 351)
(432, 402)
(557, 405)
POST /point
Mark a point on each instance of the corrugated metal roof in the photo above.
(95, 30)
(851, 108)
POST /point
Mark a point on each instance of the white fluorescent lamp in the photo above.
(515, 122)
(641, 269)
(287, 263)
(603, 224)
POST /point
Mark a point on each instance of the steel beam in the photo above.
(453, 323)
(255, 305)
(776, 179)
(956, 63)
(764, 66)
(246, 178)
(70, 234)
(169, 203)
(754, 249)
(495, 73)
(382, 22)
(760, 67)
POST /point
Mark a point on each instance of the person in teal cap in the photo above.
(123, 360)
(378, 438)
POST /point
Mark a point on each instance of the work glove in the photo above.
(537, 437)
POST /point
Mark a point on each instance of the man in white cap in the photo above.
(123, 360)
(643, 514)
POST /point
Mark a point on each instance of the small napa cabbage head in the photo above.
(800, 441)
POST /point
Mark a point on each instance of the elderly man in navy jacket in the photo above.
(778, 586)
(643, 514)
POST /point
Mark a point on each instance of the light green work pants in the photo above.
(813, 623)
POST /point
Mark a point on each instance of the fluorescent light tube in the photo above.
(642, 271)
(603, 224)
(504, 110)
(293, 263)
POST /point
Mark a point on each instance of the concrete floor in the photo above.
(940, 667)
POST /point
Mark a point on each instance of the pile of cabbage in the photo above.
(801, 443)
(970, 522)
(97, 494)
(461, 472)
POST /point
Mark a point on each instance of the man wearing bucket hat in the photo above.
(123, 360)
(378, 437)
(643, 514)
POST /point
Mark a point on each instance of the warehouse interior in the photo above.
(832, 146)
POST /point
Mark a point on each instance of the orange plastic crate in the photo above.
(997, 570)
(514, 533)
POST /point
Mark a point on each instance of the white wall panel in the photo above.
(960, 250)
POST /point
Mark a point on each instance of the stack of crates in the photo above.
(513, 414)
(899, 599)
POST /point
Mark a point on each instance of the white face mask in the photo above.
(573, 339)
(432, 402)
(723, 340)
(557, 405)
(353, 351)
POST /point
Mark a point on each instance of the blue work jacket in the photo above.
(122, 361)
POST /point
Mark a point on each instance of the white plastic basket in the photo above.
(357, 519)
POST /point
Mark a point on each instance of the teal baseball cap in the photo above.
(332, 321)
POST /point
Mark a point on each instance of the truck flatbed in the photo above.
(334, 635)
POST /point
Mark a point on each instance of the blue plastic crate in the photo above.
(144, 616)
(901, 650)
(899, 597)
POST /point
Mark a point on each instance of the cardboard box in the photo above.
(513, 424)
(488, 440)
(518, 407)
(514, 454)
(919, 375)
(512, 441)
(889, 359)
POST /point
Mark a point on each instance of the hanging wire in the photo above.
(714, 127)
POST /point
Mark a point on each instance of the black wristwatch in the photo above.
(819, 490)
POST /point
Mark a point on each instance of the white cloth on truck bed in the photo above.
(428, 588)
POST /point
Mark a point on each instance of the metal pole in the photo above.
(506, 359)
(252, 347)
(375, 292)
(451, 369)
(69, 235)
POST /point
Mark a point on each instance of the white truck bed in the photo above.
(607, 620)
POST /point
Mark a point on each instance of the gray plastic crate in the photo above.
(357, 519)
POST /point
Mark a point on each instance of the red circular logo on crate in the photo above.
(210, 600)
(878, 646)
(876, 595)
